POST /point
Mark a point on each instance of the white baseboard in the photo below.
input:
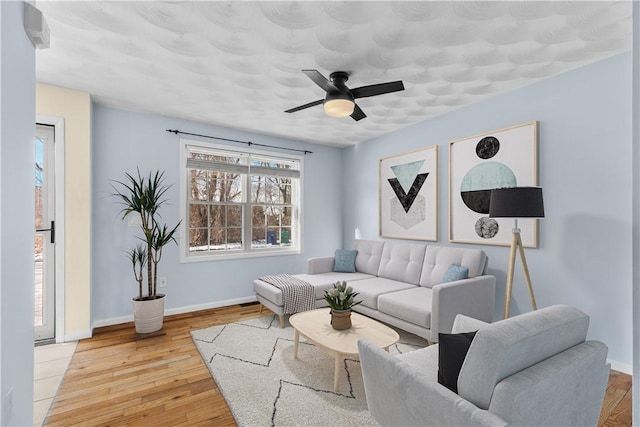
(206, 306)
(112, 321)
(178, 310)
(77, 336)
(621, 367)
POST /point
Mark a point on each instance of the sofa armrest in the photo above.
(464, 323)
(473, 297)
(398, 395)
(320, 265)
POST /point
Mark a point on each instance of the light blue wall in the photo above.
(17, 133)
(636, 203)
(584, 255)
(124, 140)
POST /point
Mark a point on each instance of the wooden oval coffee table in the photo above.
(315, 325)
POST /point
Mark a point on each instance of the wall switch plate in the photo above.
(134, 220)
(162, 282)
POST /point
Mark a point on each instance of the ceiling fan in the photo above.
(339, 101)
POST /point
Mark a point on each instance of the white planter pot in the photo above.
(148, 314)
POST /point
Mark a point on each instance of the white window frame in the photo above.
(247, 252)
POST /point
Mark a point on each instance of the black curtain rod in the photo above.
(249, 143)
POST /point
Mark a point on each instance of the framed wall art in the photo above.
(502, 158)
(408, 195)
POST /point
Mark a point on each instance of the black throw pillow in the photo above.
(452, 349)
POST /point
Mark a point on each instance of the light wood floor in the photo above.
(114, 380)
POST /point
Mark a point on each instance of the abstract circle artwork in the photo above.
(487, 147)
(478, 182)
(500, 158)
(486, 227)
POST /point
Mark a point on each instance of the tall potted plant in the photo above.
(144, 196)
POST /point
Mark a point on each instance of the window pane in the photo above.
(234, 216)
(273, 236)
(285, 236)
(234, 238)
(235, 189)
(198, 239)
(258, 237)
(198, 215)
(39, 171)
(198, 184)
(258, 216)
(286, 216)
(202, 155)
(285, 191)
(258, 189)
(273, 215)
(272, 194)
(217, 239)
(217, 218)
(227, 189)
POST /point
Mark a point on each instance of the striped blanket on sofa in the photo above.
(297, 294)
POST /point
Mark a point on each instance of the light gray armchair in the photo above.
(533, 369)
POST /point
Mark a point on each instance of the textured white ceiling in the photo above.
(238, 64)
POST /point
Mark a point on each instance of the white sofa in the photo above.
(535, 369)
(401, 284)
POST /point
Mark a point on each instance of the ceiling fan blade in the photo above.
(358, 114)
(302, 107)
(378, 89)
(320, 80)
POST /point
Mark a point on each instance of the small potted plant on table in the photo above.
(341, 299)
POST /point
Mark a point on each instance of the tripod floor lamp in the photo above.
(516, 202)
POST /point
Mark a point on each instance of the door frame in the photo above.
(58, 132)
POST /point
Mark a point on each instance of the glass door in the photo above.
(44, 310)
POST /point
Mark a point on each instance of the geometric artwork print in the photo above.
(408, 195)
(407, 173)
(407, 199)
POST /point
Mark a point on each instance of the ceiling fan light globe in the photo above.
(339, 107)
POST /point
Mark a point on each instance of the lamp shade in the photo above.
(516, 202)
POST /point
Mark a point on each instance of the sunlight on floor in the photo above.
(50, 364)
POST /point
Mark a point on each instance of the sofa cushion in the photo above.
(369, 255)
(345, 261)
(412, 305)
(438, 259)
(453, 349)
(455, 272)
(511, 345)
(371, 289)
(423, 360)
(323, 282)
(402, 262)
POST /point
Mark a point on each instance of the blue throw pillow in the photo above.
(345, 261)
(455, 272)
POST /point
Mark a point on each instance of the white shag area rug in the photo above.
(252, 363)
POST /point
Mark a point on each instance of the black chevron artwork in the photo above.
(407, 199)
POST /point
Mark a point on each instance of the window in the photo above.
(239, 203)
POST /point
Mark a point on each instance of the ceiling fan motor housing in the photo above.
(338, 79)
